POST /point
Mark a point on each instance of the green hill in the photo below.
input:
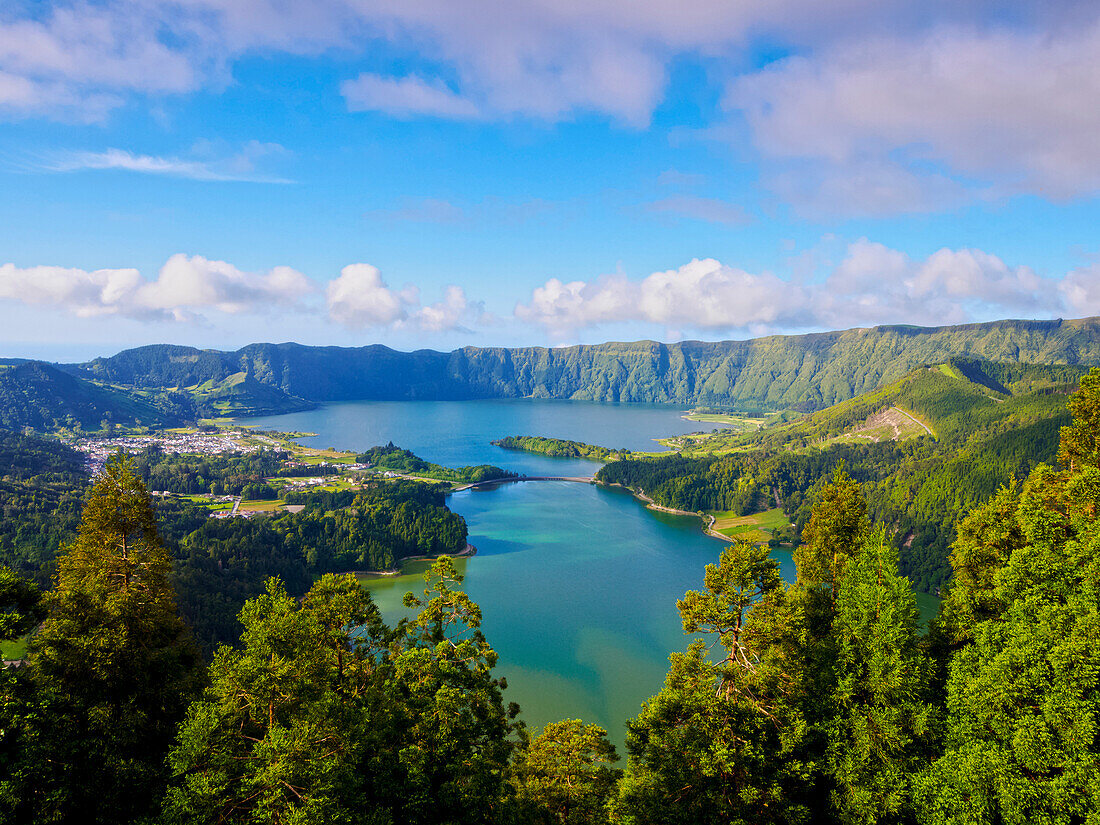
(918, 483)
(42, 397)
(807, 372)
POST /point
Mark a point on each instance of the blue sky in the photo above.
(216, 172)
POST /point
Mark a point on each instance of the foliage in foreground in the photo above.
(818, 701)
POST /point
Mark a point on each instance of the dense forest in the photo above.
(393, 458)
(776, 372)
(560, 448)
(219, 563)
(919, 487)
(817, 701)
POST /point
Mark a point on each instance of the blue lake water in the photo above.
(577, 584)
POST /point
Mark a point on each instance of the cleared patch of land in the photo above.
(738, 423)
(16, 649)
(757, 527)
(889, 424)
(261, 506)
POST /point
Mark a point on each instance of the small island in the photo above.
(560, 448)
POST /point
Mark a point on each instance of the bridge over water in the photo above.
(514, 479)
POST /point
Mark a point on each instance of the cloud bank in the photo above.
(873, 284)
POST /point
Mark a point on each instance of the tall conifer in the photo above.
(113, 666)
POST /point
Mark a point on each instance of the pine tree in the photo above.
(721, 743)
(1023, 694)
(565, 775)
(882, 724)
(325, 714)
(113, 668)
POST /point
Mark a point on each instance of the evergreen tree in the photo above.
(882, 722)
(112, 669)
(721, 743)
(1023, 696)
(327, 715)
(286, 724)
(20, 605)
(565, 775)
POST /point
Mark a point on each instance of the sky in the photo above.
(437, 174)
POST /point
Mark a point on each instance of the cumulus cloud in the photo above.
(1081, 290)
(872, 284)
(359, 297)
(185, 287)
(909, 123)
(702, 294)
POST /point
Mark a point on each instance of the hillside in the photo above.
(804, 371)
(42, 397)
(953, 402)
(919, 484)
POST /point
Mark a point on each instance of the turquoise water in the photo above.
(578, 588)
(457, 433)
(577, 583)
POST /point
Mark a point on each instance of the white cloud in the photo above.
(892, 124)
(873, 284)
(238, 167)
(359, 297)
(185, 287)
(537, 58)
(196, 283)
(702, 294)
(1081, 290)
(406, 97)
(450, 313)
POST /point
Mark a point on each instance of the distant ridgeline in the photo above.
(990, 424)
(804, 371)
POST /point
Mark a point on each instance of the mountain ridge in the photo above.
(809, 371)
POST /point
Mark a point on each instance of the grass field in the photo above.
(756, 527)
(14, 649)
(740, 423)
(261, 506)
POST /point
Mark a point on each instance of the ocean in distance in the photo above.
(577, 583)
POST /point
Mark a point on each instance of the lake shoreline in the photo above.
(469, 551)
(650, 504)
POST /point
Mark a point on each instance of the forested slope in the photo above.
(43, 397)
(920, 486)
(805, 371)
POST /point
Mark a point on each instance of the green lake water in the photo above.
(577, 583)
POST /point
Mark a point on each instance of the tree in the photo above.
(565, 775)
(721, 742)
(882, 722)
(286, 722)
(325, 714)
(20, 605)
(1023, 694)
(835, 532)
(112, 668)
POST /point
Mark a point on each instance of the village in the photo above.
(341, 472)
